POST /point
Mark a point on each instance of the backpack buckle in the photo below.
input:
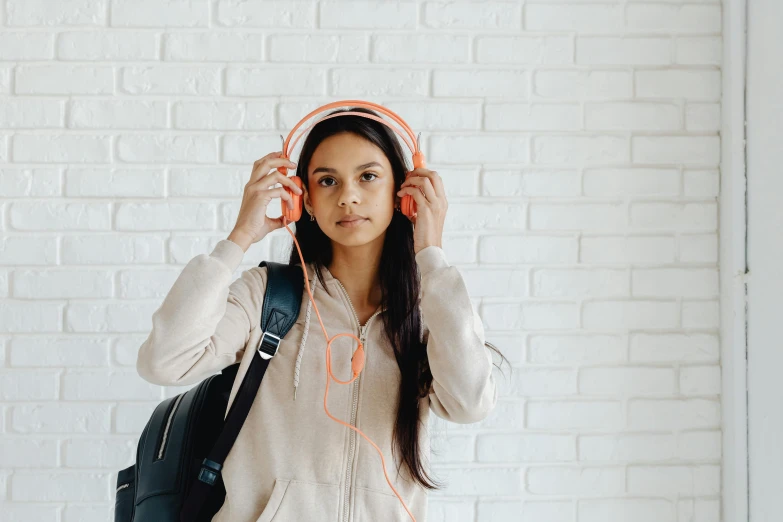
(268, 346)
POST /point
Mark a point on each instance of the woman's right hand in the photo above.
(252, 222)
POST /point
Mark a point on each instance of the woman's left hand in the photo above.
(426, 187)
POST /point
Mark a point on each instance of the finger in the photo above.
(417, 196)
(425, 184)
(263, 166)
(435, 180)
(275, 177)
(280, 192)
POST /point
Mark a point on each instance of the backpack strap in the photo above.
(282, 301)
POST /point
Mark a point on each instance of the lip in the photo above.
(352, 222)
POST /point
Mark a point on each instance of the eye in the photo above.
(320, 181)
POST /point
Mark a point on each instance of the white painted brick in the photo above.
(28, 385)
(699, 50)
(700, 314)
(79, 385)
(481, 481)
(92, 453)
(64, 79)
(633, 116)
(18, 45)
(541, 182)
(593, 18)
(171, 79)
(699, 510)
(630, 314)
(686, 18)
(28, 453)
(483, 82)
(471, 149)
(378, 82)
(5, 79)
(587, 283)
(530, 316)
(574, 415)
(674, 216)
(24, 511)
(626, 381)
(579, 85)
(586, 216)
(205, 181)
(493, 282)
(25, 486)
(112, 249)
(59, 351)
(662, 348)
(698, 248)
(319, 48)
(132, 416)
(62, 284)
(71, 148)
(439, 115)
(673, 414)
(368, 15)
(700, 445)
(117, 114)
(406, 48)
(702, 117)
(528, 249)
(541, 382)
(631, 447)
(453, 448)
(109, 46)
(576, 481)
(462, 249)
(83, 317)
(156, 13)
(544, 50)
(528, 511)
(636, 509)
(701, 183)
(678, 83)
(28, 250)
(175, 149)
(165, 216)
(674, 480)
(675, 282)
(580, 150)
(30, 113)
(70, 418)
(443, 510)
(121, 183)
(623, 51)
(213, 47)
(26, 182)
(42, 215)
(267, 82)
(576, 349)
(532, 116)
(247, 149)
(472, 15)
(683, 150)
(477, 216)
(209, 115)
(526, 448)
(631, 182)
(280, 14)
(63, 12)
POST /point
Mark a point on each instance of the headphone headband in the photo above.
(409, 138)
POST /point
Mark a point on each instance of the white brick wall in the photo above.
(579, 143)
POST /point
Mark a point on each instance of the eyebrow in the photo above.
(360, 167)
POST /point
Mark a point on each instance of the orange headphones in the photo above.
(408, 207)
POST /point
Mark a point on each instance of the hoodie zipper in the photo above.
(352, 447)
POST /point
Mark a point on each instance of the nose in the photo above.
(349, 195)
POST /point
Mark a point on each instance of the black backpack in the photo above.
(182, 448)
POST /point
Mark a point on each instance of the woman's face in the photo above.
(349, 175)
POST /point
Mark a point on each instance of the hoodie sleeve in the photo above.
(205, 320)
(463, 388)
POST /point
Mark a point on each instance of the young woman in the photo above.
(373, 272)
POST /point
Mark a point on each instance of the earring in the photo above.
(312, 216)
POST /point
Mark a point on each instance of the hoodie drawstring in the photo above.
(304, 340)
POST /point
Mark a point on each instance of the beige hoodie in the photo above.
(291, 462)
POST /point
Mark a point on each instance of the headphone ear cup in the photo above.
(408, 205)
(293, 214)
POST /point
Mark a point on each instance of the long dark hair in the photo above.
(399, 276)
